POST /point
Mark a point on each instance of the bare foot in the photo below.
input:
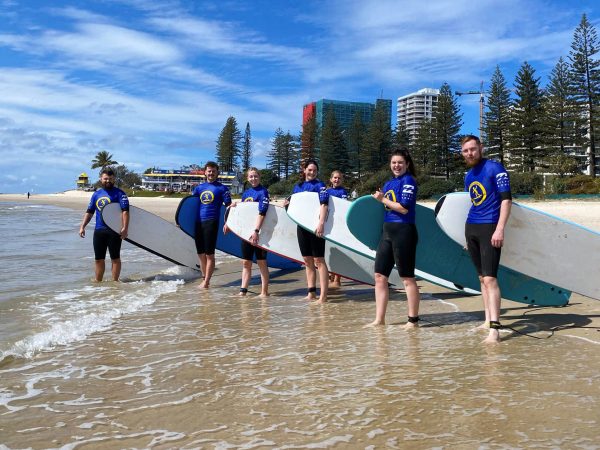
(335, 284)
(205, 285)
(410, 326)
(310, 297)
(493, 337)
(264, 295)
(242, 294)
(375, 323)
(321, 301)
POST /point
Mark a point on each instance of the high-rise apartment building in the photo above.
(414, 108)
(345, 111)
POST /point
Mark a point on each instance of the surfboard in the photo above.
(229, 243)
(439, 255)
(303, 209)
(154, 234)
(536, 244)
(278, 234)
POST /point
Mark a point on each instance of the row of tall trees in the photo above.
(527, 127)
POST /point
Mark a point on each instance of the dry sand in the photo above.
(581, 318)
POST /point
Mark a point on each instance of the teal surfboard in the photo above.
(439, 255)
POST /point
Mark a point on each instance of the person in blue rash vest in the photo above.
(259, 194)
(336, 190)
(398, 243)
(212, 196)
(488, 185)
(312, 245)
(104, 237)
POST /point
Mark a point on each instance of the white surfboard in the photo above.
(154, 234)
(303, 209)
(278, 234)
(536, 244)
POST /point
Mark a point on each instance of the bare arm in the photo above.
(498, 236)
(322, 216)
(86, 219)
(254, 237)
(124, 224)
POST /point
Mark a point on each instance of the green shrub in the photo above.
(283, 187)
(526, 183)
(582, 184)
(434, 187)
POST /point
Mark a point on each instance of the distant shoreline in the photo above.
(584, 212)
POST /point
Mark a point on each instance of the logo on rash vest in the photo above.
(102, 202)
(207, 197)
(390, 195)
(249, 199)
(477, 193)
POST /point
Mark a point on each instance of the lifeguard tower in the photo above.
(83, 181)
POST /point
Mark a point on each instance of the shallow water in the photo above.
(160, 363)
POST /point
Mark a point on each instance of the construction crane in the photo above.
(481, 94)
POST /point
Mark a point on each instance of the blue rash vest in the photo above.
(258, 194)
(486, 182)
(103, 197)
(313, 186)
(212, 196)
(403, 190)
(340, 192)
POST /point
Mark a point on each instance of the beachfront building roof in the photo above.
(413, 109)
(185, 180)
(82, 181)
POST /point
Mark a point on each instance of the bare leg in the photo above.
(335, 281)
(323, 280)
(414, 298)
(116, 269)
(484, 294)
(492, 308)
(264, 277)
(311, 276)
(99, 269)
(202, 258)
(382, 295)
(246, 275)
(210, 268)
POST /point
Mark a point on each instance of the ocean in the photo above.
(156, 362)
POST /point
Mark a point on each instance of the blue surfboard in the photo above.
(229, 243)
(439, 255)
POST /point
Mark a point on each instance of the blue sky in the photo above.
(154, 82)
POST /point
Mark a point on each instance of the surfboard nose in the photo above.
(438, 205)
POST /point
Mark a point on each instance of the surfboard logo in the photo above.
(390, 195)
(207, 197)
(102, 202)
(477, 192)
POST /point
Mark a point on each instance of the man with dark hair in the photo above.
(212, 195)
(104, 237)
(488, 185)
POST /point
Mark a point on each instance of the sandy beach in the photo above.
(581, 311)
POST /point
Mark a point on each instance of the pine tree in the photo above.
(585, 73)
(355, 139)
(422, 148)
(228, 145)
(496, 120)
(447, 123)
(560, 114)
(290, 152)
(378, 140)
(401, 136)
(333, 154)
(526, 138)
(309, 139)
(247, 149)
(275, 157)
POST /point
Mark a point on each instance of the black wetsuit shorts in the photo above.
(310, 244)
(206, 234)
(249, 251)
(485, 256)
(398, 245)
(105, 238)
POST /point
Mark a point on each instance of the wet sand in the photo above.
(206, 369)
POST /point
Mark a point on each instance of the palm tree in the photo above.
(102, 160)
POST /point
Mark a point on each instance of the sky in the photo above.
(153, 82)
